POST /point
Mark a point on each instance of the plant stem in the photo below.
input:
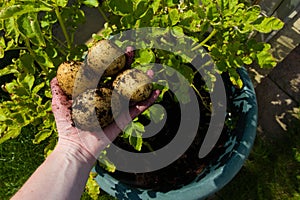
(63, 27)
(205, 40)
(103, 14)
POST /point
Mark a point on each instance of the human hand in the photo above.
(92, 142)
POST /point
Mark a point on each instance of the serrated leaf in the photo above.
(20, 9)
(29, 26)
(3, 116)
(50, 147)
(42, 135)
(268, 24)
(265, 58)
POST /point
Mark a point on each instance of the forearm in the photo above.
(63, 174)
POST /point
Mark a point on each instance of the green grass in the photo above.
(19, 158)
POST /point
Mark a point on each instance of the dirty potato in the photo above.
(133, 84)
(105, 58)
(93, 108)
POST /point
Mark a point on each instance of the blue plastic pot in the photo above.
(219, 171)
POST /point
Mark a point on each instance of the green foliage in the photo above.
(133, 133)
(224, 27)
(28, 27)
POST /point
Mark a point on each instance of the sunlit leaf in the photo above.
(29, 26)
(20, 9)
(42, 135)
(268, 24)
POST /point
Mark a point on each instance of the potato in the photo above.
(133, 84)
(105, 58)
(85, 79)
(74, 78)
(66, 75)
(93, 108)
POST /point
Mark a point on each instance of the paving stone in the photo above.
(274, 108)
(287, 74)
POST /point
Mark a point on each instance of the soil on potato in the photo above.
(183, 170)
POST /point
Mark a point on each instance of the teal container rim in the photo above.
(213, 181)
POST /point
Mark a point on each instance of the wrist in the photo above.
(73, 150)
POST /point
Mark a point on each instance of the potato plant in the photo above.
(223, 27)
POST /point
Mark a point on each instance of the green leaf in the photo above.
(156, 113)
(20, 9)
(27, 63)
(51, 145)
(252, 13)
(42, 135)
(121, 7)
(37, 88)
(12, 132)
(141, 9)
(106, 163)
(235, 78)
(92, 187)
(265, 58)
(136, 141)
(155, 5)
(61, 3)
(29, 26)
(91, 3)
(268, 24)
(43, 59)
(174, 16)
(28, 82)
(10, 69)
(145, 56)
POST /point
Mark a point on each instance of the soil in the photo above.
(188, 166)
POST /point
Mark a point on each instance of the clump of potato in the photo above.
(91, 84)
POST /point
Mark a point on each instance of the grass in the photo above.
(19, 158)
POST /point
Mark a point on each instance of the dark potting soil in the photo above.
(189, 165)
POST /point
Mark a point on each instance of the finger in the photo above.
(113, 130)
